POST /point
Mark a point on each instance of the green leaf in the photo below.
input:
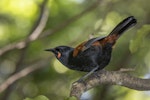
(71, 98)
(136, 43)
(40, 97)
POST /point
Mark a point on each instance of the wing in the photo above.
(111, 38)
(87, 44)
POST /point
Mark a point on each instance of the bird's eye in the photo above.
(57, 49)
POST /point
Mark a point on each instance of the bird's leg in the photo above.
(88, 74)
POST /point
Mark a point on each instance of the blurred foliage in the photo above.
(141, 34)
(41, 97)
(17, 18)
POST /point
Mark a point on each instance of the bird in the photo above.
(94, 54)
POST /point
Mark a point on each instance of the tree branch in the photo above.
(41, 22)
(35, 32)
(21, 74)
(71, 20)
(112, 78)
(33, 36)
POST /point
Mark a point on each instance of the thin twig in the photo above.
(36, 30)
(71, 20)
(33, 37)
(21, 74)
(41, 22)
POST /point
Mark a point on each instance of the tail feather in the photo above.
(118, 30)
(123, 26)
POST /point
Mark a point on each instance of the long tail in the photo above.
(118, 30)
(123, 26)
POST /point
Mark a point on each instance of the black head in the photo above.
(62, 53)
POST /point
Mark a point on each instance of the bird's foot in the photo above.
(81, 80)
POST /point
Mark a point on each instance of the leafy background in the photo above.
(68, 22)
